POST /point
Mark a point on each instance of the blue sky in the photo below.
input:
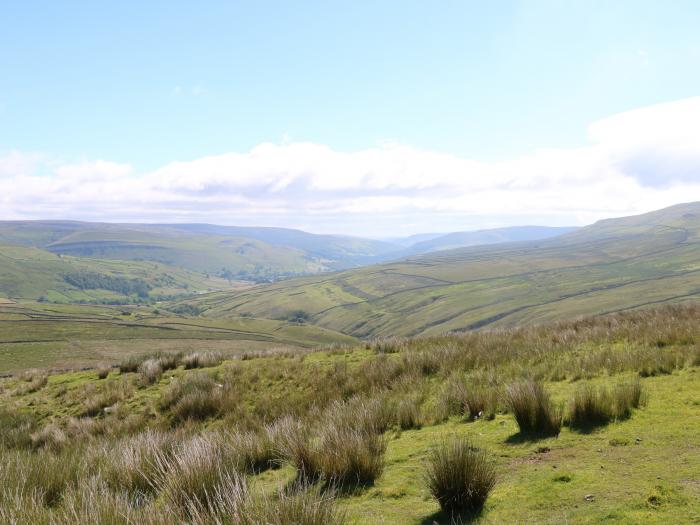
(140, 85)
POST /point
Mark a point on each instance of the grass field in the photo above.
(610, 266)
(640, 467)
(40, 335)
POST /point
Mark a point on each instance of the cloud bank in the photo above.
(636, 161)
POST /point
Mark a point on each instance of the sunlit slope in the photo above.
(612, 265)
(58, 336)
(255, 252)
(33, 273)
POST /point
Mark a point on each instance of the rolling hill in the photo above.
(253, 252)
(483, 237)
(32, 273)
(613, 265)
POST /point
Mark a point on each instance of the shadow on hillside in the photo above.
(451, 518)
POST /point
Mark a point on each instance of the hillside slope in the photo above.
(33, 273)
(612, 265)
(465, 239)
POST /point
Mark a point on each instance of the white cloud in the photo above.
(636, 161)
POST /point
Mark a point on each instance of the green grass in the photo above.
(28, 273)
(40, 335)
(640, 468)
(611, 266)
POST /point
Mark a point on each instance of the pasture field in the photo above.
(41, 335)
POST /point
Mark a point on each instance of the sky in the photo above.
(378, 118)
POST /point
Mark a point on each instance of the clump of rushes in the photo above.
(532, 408)
(349, 448)
(408, 414)
(201, 360)
(188, 477)
(150, 371)
(591, 407)
(460, 476)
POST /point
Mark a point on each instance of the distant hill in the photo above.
(33, 273)
(613, 265)
(231, 252)
(483, 237)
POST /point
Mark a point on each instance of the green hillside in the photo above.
(33, 273)
(612, 265)
(250, 253)
(40, 335)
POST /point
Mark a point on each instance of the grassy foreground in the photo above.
(345, 435)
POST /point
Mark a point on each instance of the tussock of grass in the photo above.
(349, 450)
(150, 371)
(108, 394)
(532, 408)
(201, 360)
(459, 476)
(591, 406)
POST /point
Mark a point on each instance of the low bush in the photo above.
(459, 476)
(189, 477)
(132, 464)
(201, 360)
(150, 371)
(348, 449)
(591, 406)
(110, 393)
(532, 408)
(408, 413)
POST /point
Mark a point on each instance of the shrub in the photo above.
(294, 445)
(16, 428)
(109, 394)
(408, 413)
(591, 407)
(459, 476)
(131, 465)
(479, 402)
(150, 371)
(130, 363)
(254, 451)
(190, 477)
(628, 396)
(50, 437)
(201, 360)
(532, 409)
(349, 448)
(197, 396)
(350, 457)
(302, 506)
(103, 372)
